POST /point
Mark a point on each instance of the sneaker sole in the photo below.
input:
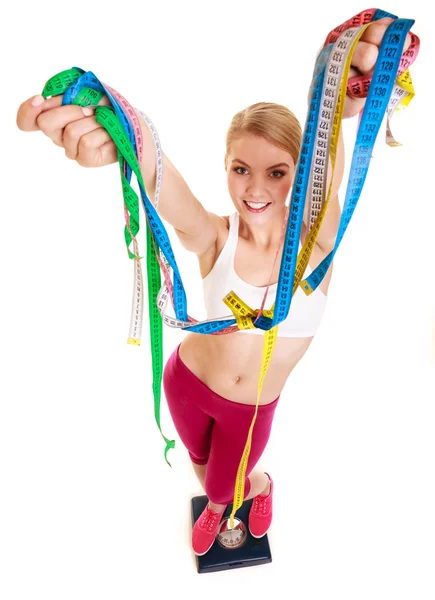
(257, 536)
(202, 553)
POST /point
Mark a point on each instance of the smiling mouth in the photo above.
(256, 207)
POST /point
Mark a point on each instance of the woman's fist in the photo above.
(71, 127)
(364, 59)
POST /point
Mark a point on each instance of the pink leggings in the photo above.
(214, 429)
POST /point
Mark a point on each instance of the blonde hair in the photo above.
(274, 122)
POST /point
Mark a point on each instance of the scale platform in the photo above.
(232, 549)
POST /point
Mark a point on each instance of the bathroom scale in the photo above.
(233, 548)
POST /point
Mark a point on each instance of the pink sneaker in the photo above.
(205, 530)
(260, 515)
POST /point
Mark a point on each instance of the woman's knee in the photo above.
(216, 493)
(220, 491)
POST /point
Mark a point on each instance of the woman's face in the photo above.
(260, 174)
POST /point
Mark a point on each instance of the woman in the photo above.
(210, 381)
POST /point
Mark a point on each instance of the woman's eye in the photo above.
(243, 169)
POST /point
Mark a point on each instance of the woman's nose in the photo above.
(256, 185)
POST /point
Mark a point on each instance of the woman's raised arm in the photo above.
(84, 140)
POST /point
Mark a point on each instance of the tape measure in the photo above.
(386, 90)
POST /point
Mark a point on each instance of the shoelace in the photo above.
(208, 522)
(260, 504)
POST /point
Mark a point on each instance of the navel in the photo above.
(237, 379)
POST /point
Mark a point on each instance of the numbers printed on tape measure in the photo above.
(328, 90)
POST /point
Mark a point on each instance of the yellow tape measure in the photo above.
(244, 313)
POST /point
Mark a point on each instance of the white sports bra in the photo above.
(305, 313)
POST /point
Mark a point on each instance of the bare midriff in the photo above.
(230, 364)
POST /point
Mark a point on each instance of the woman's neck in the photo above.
(265, 236)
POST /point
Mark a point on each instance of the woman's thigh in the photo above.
(229, 436)
(193, 425)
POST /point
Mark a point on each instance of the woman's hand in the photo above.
(71, 127)
(364, 60)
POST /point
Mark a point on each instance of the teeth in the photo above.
(256, 205)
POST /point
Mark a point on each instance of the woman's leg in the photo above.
(260, 484)
(206, 421)
(200, 471)
(183, 398)
(229, 435)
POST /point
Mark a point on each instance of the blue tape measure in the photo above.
(380, 90)
(377, 100)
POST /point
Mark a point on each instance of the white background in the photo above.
(88, 507)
